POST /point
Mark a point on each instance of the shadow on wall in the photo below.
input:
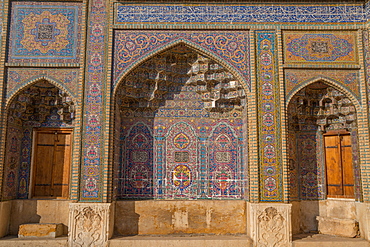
(23, 212)
(38, 211)
(304, 216)
(130, 225)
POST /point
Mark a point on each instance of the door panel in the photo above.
(348, 177)
(62, 165)
(333, 167)
(52, 163)
(43, 164)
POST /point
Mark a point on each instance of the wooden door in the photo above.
(339, 167)
(52, 160)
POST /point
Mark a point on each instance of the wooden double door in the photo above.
(52, 162)
(339, 165)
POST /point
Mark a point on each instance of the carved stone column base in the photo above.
(270, 224)
(90, 224)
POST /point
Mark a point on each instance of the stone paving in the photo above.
(300, 240)
(321, 240)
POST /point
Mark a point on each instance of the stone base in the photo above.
(338, 227)
(5, 209)
(152, 217)
(171, 241)
(38, 211)
(13, 241)
(37, 230)
(309, 240)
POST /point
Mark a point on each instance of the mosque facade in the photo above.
(127, 118)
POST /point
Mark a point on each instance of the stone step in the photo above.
(13, 241)
(340, 227)
(194, 241)
(321, 240)
(40, 230)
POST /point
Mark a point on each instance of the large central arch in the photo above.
(180, 130)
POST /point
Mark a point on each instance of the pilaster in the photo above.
(268, 101)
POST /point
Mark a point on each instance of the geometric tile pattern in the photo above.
(293, 155)
(43, 33)
(25, 168)
(356, 165)
(271, 187)
(310, 169)
(136, 171)
(187, 159)
(316, 47)
(12, 160)
(366, 52)
(367, 11)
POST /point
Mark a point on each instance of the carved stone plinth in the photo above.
(270, 224)
(90, 224)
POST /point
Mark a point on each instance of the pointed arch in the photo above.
(136, 125)
(180, 143)
(218, 125)
(310, 154)
(137, 155)
(181, 140)
(34, 81)
(48, 126)
(330, 82)
(178, 123)
(225, 166)
(173, 44)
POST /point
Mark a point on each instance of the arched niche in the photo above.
(322, 146)
(180, 129)
(39, 128)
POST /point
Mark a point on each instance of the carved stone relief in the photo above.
(90, 224)
(271, 225)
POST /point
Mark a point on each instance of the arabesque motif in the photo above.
(268, 91)
(303, 47)
(133, 46)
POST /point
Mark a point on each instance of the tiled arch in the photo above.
(240, 69)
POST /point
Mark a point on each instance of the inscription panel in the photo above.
(181, 157)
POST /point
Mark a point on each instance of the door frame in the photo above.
(32, 170)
